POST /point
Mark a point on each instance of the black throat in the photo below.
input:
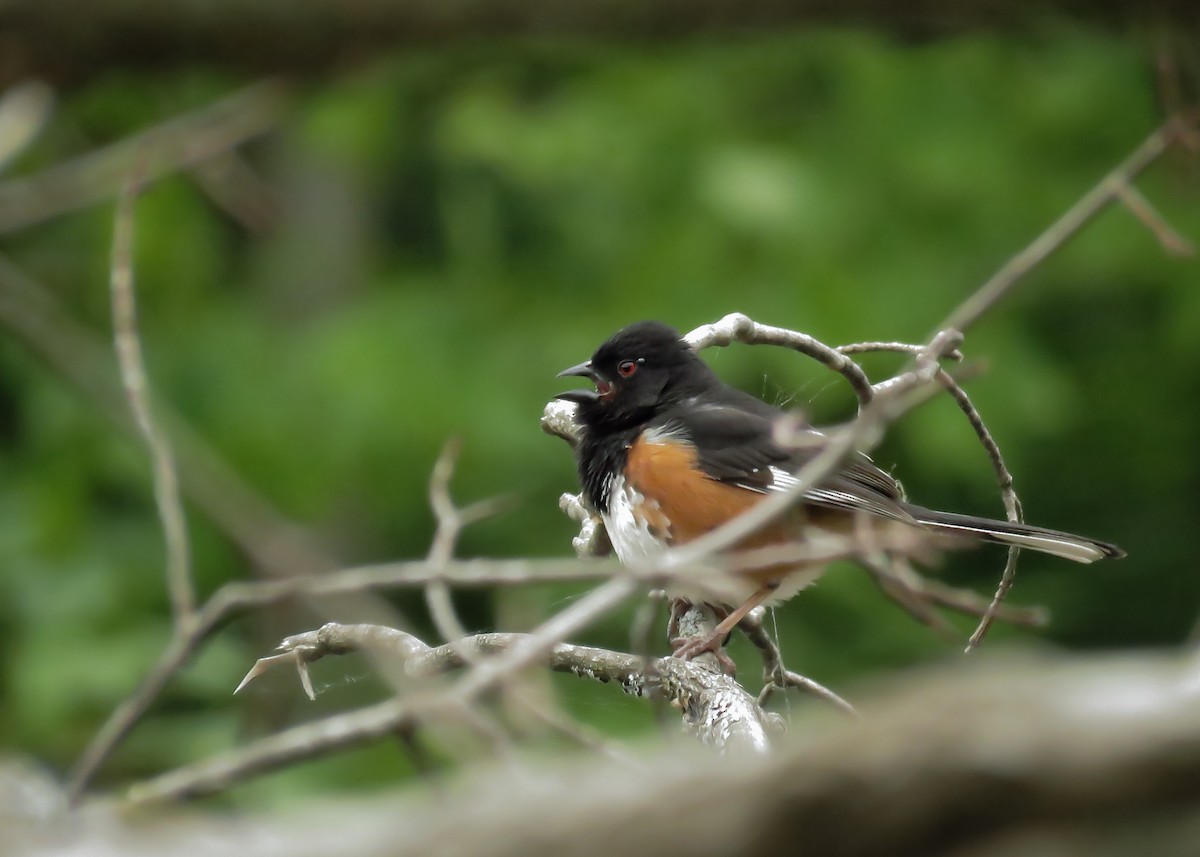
(599, 459)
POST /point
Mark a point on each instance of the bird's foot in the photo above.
(687, 648)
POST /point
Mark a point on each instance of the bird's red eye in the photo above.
(626, 368)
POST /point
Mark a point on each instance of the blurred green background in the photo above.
(451, 227)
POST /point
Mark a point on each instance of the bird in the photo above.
(669, 452)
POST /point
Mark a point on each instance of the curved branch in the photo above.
(737, 327)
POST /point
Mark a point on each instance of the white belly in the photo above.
(629, 532)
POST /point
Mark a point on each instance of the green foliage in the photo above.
(458, 225)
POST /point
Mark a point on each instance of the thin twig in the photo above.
(1008, 494)
(235, 187)
(133, 378)
(130, 710)
(309, 741)
(777, 676)
(466, 573)
(1141, 208)
(241, 596)
(270, 540)
(899, 582)
(737, 327)
(449, 525)
(1063, 229)
(450, 522)
(1012, 502)
(188, 627)
(971, 604)
(273, 543)
(909, 348)
(394, 646)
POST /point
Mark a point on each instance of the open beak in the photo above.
(581, 396)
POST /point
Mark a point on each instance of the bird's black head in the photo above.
(639, 370)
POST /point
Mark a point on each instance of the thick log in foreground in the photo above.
(995, 757)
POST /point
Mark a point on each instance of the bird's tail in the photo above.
(1065, 545)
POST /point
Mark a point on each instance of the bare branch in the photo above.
(1008, 493)
(449, 525)
(238, 190)
(900, 582)
(126, 715)
(879, 405)
(970, 604)
(897, 347)
(736, 327)
(1063, 229)
(776, 676)
(382, 720)
(716, 708)
(1012, 503)
(239, 596)
(133, 378)
(1141, 208)
(450, 522)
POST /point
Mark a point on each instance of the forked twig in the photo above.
(776, 676)
(450, 522)
(1075, 218)
(1141, 208)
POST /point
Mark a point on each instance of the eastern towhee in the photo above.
(669, 452)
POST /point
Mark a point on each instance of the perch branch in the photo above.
(715, 707)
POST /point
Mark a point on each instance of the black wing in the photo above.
(737, 446)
